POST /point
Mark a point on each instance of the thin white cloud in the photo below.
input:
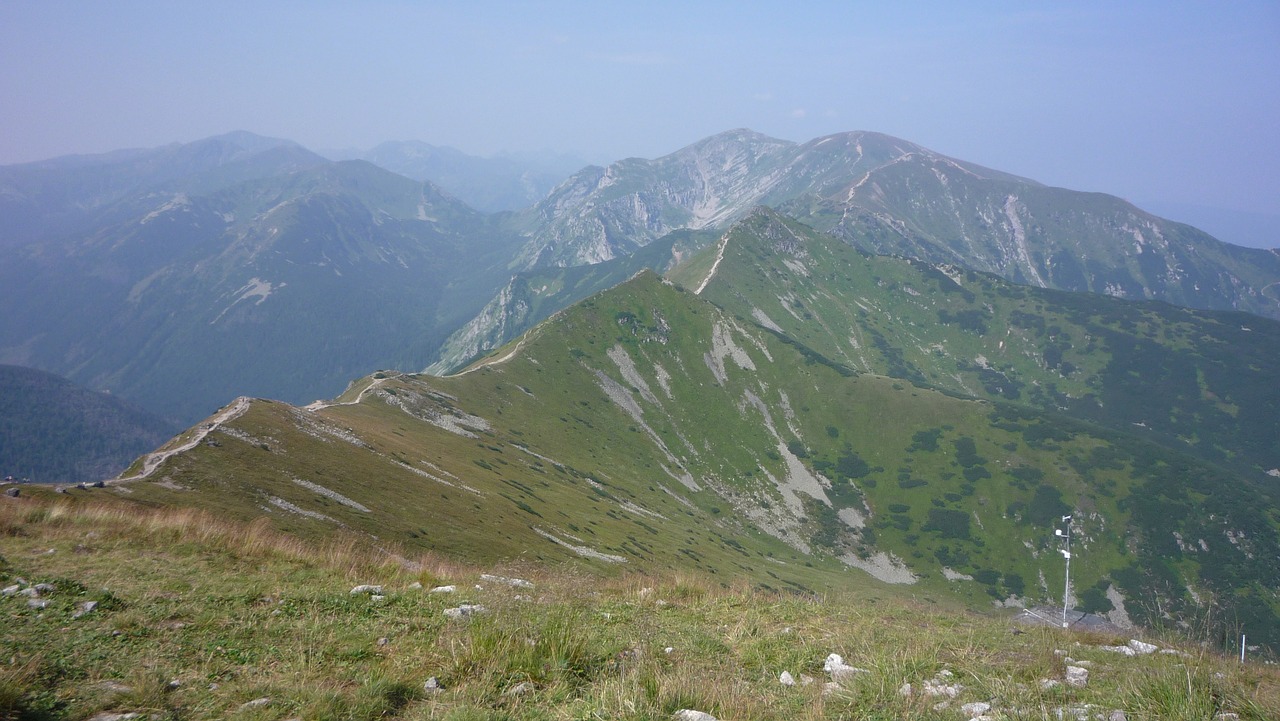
(799, 113)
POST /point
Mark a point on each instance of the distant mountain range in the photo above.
(182, 276)
(889, 196)
(503, 182)
(53, 431)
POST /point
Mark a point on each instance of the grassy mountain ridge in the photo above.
(647, 428)
(1197, 381)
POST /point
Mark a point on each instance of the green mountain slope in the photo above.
(52, 430)
(532, 296)
(1201, 382)
(647, 428)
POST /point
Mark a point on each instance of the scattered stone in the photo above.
(1049, 683)
(383, 641)
(366, 588)
(466, 609)
(1117, 715)
(10, 590)
(520, 689)
(976, 708)
(98, 484)
(256, 703)
(174, 684)
(942, 706)
(377, 597)
(1077, 676)
(829, 688)
(432, 685)
(37, 603)
(805, 680)
(108, 716)
(415, 586)
(11, 492)
(1142, 648)
(786, 679)
(688, 714)
(938, 686)
(1124, 650)
(839, 670)
(904, 690)
(83, 608)
(513, 582)
(1226, 716)
(669, 649)
(443, 589)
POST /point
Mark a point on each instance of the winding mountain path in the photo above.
(153, 460)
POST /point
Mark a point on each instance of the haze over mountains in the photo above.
(184, 275)
(749, 356)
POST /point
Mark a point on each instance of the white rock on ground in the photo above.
(443, 589)
(1143, 648)
(1077, 676)
(976, 708)
(1124, 650)
(466, 609)
(366, 588)
(786, 679)
(688, 714)
(839, 670)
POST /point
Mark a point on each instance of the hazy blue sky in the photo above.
(1176, 103)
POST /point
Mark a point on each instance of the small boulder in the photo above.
(256, 703)
(83, 608)
(443, 589)
(839, 670)
(11, 492)
(466, 609)
(1142, 648)
(688, 714)
(10, 590)
(1123, 650)
(366, 588)
(432, 685)
(976, 708)
(786, 679)
(1077, 676)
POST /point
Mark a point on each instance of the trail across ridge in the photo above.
(153, 460)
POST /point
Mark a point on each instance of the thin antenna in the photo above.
(1066, 554)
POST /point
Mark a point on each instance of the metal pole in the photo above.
(1244, 640)
(1066, 586)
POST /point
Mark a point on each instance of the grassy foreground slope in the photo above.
(647, 428)
(202, 618)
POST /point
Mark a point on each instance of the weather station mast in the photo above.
(1066, 554)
